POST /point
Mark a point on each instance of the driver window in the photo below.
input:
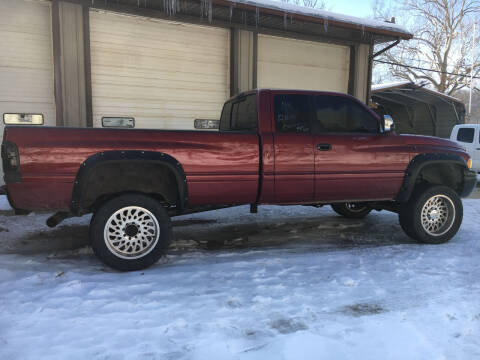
(339, 114)
(292, 113)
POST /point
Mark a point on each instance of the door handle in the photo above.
(324, 147)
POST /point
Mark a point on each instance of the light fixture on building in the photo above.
(22, 119)
(119, 122)
(206, 124)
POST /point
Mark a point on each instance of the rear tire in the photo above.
(352, 210)
(130, 232)
(433, 214)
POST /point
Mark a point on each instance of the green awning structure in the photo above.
(418, 110)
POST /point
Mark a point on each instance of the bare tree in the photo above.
(464, 95)
(440, 52)
(318, 4)
(380, 10)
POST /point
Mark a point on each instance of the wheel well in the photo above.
(447, 174)
(107, 180)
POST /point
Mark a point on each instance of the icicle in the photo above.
(231, 12)
(203, 8)
(170, 7)
(291, 19)
(210, 11)
(285, 20)
(206, 9)
(325, 24)
(363, 30)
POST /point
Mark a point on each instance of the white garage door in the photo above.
(297, 64)
(164, 74)
(26, 62)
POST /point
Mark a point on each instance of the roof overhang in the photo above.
(410, 93)
(381, 28)
(263, 16)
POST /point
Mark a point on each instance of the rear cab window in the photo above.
(466, 135)
(240, 114)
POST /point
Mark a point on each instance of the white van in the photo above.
(468, 136)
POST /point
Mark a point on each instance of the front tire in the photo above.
(352, 210)
(433, 214)
(130, 232)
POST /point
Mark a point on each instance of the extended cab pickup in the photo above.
(273, 147)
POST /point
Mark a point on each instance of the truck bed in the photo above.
(220, 167)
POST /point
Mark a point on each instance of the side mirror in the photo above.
(388, 124)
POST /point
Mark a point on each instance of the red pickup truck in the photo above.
(273, 147)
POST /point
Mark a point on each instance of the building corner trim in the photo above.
(88, 66)
(57, 65)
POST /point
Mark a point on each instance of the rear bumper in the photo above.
(469, 182)
(4, 191)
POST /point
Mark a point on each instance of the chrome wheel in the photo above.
(438, 215)
(131, 232)
(355, 207)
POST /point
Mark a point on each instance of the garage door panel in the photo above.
(141, 77)
(171, 119)
(147, 30)
(26, 64)
(31, 54)
(163, 74)
(27, 85)
(171, 46)
(146, 58)
(292, 63)
(153, 108)
(159, 64)
(283, 50)
(142, 92)
(46, 110)
(303, 77)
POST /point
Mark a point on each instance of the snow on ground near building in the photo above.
(290, 283)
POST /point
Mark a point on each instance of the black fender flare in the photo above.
(418, 163)
(117, 156)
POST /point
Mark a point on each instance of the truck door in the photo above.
(353, 160)
(294, 155)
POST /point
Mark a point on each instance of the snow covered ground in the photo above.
(290, 283)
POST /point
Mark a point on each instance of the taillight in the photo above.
(10, 157)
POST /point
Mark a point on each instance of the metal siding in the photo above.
(298, 64)
(446, 118)
(26, 65)
(423, 121)
(162, 73)
(361, 72)
(245, 53)
(72, 64)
